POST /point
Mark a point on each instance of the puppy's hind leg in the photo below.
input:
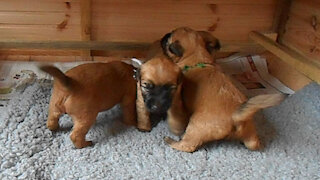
(187, 144)
(199, 131)
(82, 124)
(53, 120)
(190, 141)
(54, 115)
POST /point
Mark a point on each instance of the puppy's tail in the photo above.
(58, 75)
(254, 104)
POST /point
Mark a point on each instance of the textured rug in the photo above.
(290, 133)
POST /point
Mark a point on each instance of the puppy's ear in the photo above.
(136, 63)
(176, 49)
(164, 42)
(212, 43)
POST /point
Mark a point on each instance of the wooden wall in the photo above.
(39, 20)
(130, 20)
(53, 20)
(302, 29)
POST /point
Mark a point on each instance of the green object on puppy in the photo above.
(198, 65)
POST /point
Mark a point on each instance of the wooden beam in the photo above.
(231, 46)
(281, 10)
(58, 58)
(302, 30)
(83, 45)
(285, 73)
(85, 11)
(299, 62)
(280, 17)
(227, 46)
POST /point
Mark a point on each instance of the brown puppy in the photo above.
(216, 109)
(88, 89)
(159, 80)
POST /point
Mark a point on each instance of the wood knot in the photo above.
(64, 23)
(87, 30)
(314, 22)
(68, 5)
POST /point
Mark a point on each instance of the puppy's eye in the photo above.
(173, 87)
(147, 86)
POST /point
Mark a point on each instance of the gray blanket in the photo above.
(290, 133)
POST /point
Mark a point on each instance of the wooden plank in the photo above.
(281, 16)
(301, 22)
(121, 53)
(41, 58)
(39, 18)
(249, 10)
(286, 74)
(39, 32)
(132, 20)
(141, 7)
(14, 58)
(39, 6)
(150, 35)
(299, 62)
(157, 2)
(85, 6)
(37, 58)
(306, 6)
(40, 52)
(135, 20)
(304, 42)
(73, 5)
(231, 46)
(227, 46)
(95, 45)
(302, 31)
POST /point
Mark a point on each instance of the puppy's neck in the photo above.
(200, 55)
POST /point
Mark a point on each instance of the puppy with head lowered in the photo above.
(158, 84)
(215, 108)
(84, 91)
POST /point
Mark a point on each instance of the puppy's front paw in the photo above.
(144, 130)
(253, 144)
(180, 145)
(53, 126)
(83, 144)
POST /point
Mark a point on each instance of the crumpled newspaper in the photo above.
(251, 75)
(18, 82)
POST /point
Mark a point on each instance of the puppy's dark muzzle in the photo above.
(158, 100)
(158, 108)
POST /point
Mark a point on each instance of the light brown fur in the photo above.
(215, 108)
(158, 71)
(88, 89)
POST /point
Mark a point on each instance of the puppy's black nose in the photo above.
(154, 107)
